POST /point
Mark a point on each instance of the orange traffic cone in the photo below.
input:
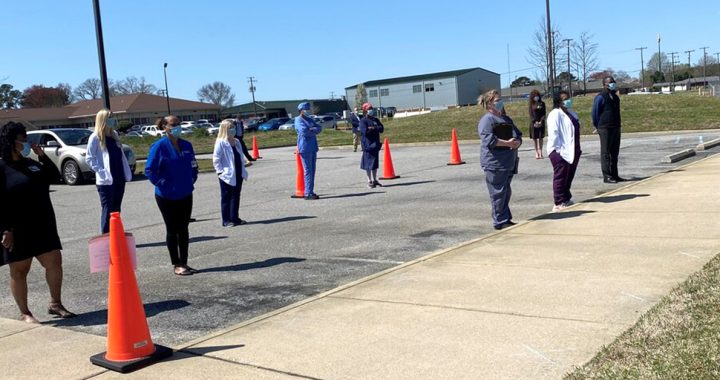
(256, 151)
(388, 169)
(129, 345)
(299, 178)
(455, 151)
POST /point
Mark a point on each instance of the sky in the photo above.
(314, 49)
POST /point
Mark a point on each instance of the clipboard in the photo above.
(503, 131)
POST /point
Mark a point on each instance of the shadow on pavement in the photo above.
(330, 158)
(194, 239)
(256, 265)
(280, 220)
(407, 183)
(99, 317)
(615, 198)
(353, 195)
(203, 350)
(562, 215)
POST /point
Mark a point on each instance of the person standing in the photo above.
(536, 109)
(307, 130)
(370, 129)
(230, 168)
(239, 134)
(27, 219)
(355, 122)
(106, 158)
(606, 118)
(172, 168)
(499, 141)
(563, 148)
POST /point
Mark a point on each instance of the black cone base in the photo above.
(161, 352)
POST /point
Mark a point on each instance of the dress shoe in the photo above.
(229, 224)
(620, 179)
(609, 180)
(239, 222)
(312, 197)
(505, 225)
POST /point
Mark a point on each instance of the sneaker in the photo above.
(558, 208)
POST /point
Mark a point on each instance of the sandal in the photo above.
(28, 318)
(183, 272)
(57, 309)
(192, 270)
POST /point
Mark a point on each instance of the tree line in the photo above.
(40, 96)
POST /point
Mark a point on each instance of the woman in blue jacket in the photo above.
(172, 168)
(307, 130)
(106, 158)
(230, 167)
(370, 129)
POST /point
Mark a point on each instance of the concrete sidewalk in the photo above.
(531, 301)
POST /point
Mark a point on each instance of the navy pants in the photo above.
(498, 184)
(230, 201)
(563, 175)
(111, 197)
(309, 160)
(609, 151)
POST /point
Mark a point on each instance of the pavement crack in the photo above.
(297, 375)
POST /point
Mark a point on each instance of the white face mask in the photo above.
(537, 98)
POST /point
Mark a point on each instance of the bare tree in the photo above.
(586, 59)
(133, 85)
(91, 88)
(217, 93)
(67, 89)
(537, 52)
(360, 96)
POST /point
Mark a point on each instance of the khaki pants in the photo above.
(356, 140)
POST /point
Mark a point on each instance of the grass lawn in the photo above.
(203, 166)
(640, 113)
(679, 338)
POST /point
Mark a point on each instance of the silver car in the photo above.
(66, 147)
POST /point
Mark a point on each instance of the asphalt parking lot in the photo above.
(292, 248)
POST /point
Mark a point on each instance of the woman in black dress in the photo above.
(370, 130)
(536, 108)
(27, 219)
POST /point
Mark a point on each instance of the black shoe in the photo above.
(240, 222)
(505, 225)
(609, 180)
(620, 179)
(230, 224)
(192, 270)
(193, 220)
(376, 183)
(311, 197)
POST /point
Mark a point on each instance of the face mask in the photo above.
(176, 131)
(26, 149)
(232, 131)
(307, 113)
(567, 103)
(111, 123)
(537, 98)
(499, 105)
(371, 112)
(612, 86)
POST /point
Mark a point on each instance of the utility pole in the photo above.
(659, 56)
(550, 47)
(718, 61)
(672, 70)
(252, 81)
(568, 40)
(688, 53)
(704, 49)
(642, 67)
(332, 95)
(101, 54)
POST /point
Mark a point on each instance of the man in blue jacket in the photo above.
(606, 118)
(307, 130)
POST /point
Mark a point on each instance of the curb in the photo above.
(708, 145)
(675, 157)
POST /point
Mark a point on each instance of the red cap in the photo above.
(366, 106)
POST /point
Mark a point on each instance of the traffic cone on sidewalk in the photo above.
(299, 178)
(129, 345)
(256, 151)
(455, 151)
(388, 169)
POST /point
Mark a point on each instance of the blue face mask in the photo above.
(232, 131)
(371, 112)
(176, 131)
(26, 149)
(499, 105)
(112, 123)
(307, 113)
(612, 86)
(567, 103)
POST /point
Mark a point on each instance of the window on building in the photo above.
(429, 87)
(417, 88)
(372, 94)
(384, 92)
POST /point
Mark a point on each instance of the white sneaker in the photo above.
(558, 208)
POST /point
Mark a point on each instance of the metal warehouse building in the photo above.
(435, 90)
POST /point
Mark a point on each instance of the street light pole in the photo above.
(672, 70)
(167, 96)
(550, 47)
(568, 40)
(659, 56)
(642, 67)
(252, 81)
(101, 54)
(704, 49)
(718, 61)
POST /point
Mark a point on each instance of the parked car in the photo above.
(289, 125)
(203, 125)
(186, 130)
(134, 134)
(273, 124)
(152, 130)
(326, 121)
(390, 111)
(204, 121)
(253, 124)
(67, 147)
(213, 129)
(187, 123)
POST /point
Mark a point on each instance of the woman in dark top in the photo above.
(536, 109)
(27, 219)
(370, 130)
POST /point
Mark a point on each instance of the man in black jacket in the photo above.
(606, 118)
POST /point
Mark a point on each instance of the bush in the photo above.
(199, 132)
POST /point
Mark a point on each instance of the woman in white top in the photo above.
(106, 158)
(229, 165)
(563, 148)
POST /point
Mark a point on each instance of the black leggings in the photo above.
(176, 214)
